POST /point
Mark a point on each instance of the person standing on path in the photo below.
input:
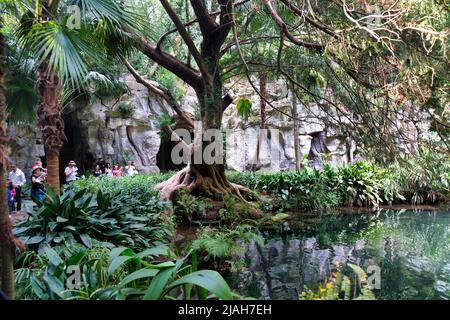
(17, 177)
(97, 171)
(117, 172)
(71, 172)
(38, 189)
(130, 169)
(102, 164)
(11, 193)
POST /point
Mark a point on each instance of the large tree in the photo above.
(8, 243)
(65, 38)
(5, 223)
(323, 48)
(207, 82)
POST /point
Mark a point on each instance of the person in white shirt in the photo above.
(130, 169)
(17, 177)
(71, 172)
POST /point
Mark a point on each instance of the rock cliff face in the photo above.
(25, 147)
(116, 129)
(125, 129)
(277, 151)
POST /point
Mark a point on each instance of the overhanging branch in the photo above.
(164, 94)
(188, 40)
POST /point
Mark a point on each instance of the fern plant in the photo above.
(343, 287)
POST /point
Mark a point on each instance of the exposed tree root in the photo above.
(212, 183)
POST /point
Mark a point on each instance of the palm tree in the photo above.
(8, 243)
(63, 55)
(7, 253)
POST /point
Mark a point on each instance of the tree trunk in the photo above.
(262, 115)
(206, 81)
(210, 179)
(52, 157)
(296, 133)
(50, 122)
(6, 245)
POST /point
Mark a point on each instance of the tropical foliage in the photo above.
(359, 184)
(86, 218)
(343, 287)
(116, 274)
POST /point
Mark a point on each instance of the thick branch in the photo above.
(192, 22)
(226, 8)
(188, 40)
(226, 101)
(204, 18)
(169, 62)
(282, 25)
(164, 94)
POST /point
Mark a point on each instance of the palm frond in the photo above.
(119, 13)
(65, 50)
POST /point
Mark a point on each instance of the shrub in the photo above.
(424, 178)
(120, 273)
(188, 206)
(360, 184)
(87, 218)
(225, 245)
(126, 110)
(141, 185)
(228, 213)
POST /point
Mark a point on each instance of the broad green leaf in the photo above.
(120, 251)
(61, 219)
(53, 256)
(142, 273)
(86, 239)
(158, 284)
(244, 108)
(208, 279)
(156, 251)
(117, 263)
(35, 239)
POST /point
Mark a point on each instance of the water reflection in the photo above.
(412, 248)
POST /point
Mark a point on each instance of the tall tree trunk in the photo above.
(50, 122)
(209, 178)
(262, 115)
(6, 245)
(296, 133)
(206, 81)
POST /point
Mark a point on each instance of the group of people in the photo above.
(16, 180)
(103, 169)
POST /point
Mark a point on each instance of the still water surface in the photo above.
(411, 248)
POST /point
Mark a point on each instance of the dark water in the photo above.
(411, 249)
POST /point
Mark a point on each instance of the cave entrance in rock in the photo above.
(75, 148)
(163, 158)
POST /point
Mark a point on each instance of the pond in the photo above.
(411, 248)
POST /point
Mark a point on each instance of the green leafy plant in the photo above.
(244, 108)
(229, 213)
(189, 206)
(120, 273)
(225, 245)
(82, 217)
(125, 109)
(343, 287)
(424, 178)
